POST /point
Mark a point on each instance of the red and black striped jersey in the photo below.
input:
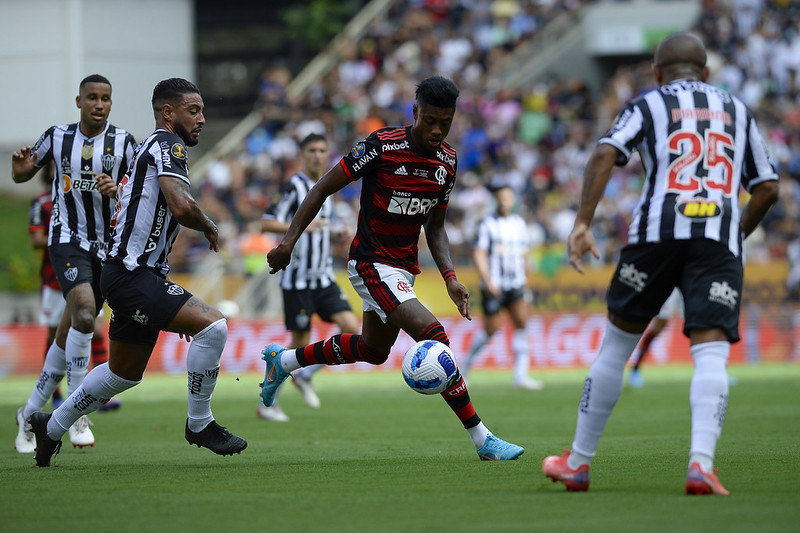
(400, 186)
(39, 220)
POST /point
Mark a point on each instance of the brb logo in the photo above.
(403, 286)
(630, 276)
(722, 293)
(403, 204)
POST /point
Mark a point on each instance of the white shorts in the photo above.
(53, 304)
(673, 306)
(381, 287)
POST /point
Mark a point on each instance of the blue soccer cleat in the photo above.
(496, 449)
(274, 373)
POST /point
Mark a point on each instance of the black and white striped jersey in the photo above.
(699, 145)
(506, 242)
(81, 215)
(143, 226)
(311, 266)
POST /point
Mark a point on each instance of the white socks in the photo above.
(202, 362)
(307, 372)
(51, 376)
(519, 343)
(78, 349)
(478, 342)
(708, 397)
(602, 388)
(478, 434)
(289, 360)
(100, 385)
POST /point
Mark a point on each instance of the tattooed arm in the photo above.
(184, 208)
(439, 245)
(595, 179)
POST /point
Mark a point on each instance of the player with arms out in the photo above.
(308, 283)
(90, 158)
(154, 200)
(700, 146)
(407, 175)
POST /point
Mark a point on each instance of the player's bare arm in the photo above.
(23, 165)
(481, 259)
(762, 197)
(439, 245)
(271, 225)
(185, 209)
(595, 179)
(333, 181)
(105, 185)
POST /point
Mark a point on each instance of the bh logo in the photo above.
(403, 286)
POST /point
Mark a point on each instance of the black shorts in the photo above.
(708, 275)
(493, 304)
(143, 302)
(299, 305)
(74, 266)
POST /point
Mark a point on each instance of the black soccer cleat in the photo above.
(46, 447)
(216, 438)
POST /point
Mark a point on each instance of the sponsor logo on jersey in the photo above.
(71, 273)
(403, 286)
(78, 184)
(420, 172)
(630, 276)
(87, 151)
(441, 175)
(178, 151)
(366, 158)
(152, 241)
(66, 168)
(358, 150)
(109, 161)
(175, 290)
(406, 205)
(394, 146)
(401, 171)
(140, 317)
(166, 160)
(447, 159)
(699, 208)
(722, 293)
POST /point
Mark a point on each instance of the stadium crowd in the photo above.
(537, 140)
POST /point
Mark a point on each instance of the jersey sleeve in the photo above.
(284, 205)
(482, 236)
(170, 159)
(128, 150)
(44, 148)
(757, 166)
(626, 133)
(36, 216)
(363, 159)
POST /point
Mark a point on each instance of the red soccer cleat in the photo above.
(699, 482)
(556, 468)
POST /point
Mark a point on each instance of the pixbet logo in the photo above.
(722, 293)
(630, 276)
(403, 286)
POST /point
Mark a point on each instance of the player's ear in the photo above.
(78, 101)
(658, 74)
(415, 109)
(704, 74)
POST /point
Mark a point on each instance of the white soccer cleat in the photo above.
(273, 413)
(79, 433)
(26, 440)
(528, 384)
(307, 390)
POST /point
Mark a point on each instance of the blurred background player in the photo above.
(501, 257)
(686, 231)
(135, 284)
(308, 282)
(89, 159)
(407, 176)
(673, 307)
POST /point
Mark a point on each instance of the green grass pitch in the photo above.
(378, 457)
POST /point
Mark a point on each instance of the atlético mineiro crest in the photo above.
(71, 273)
(175, 290)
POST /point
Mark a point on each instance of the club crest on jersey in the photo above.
(403, 286)
(447, 159)
(175, 290)
(71, 273)
(441, 175)
(178, 151)
(698, 208)
(358, 150)
(109, 160)
(87, 151)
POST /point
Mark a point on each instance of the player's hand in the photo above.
(105, 185)
(581, 241)
(460, 296)
(185, 336)
(22, 164)
(279, 257)
(212, 236)
(492, 289)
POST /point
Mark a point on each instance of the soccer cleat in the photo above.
(307, 390)
(635, 378)
(273, 413)
(527, 384)
(496, 449)
(26, 440)
(79, 433)
(46, 447)
(556, 468)
(699, 482)
(274, 373)
(216, 438)
(110, 405)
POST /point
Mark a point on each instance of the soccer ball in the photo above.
(429, 367)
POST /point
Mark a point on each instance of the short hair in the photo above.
(437, 91)
(94, 78)
(310, 138)
(170, 90)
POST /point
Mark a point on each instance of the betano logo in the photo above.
(698, 208)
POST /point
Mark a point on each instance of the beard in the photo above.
(184, 134)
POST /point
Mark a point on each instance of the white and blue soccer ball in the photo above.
(429, 367)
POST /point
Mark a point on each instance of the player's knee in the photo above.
(83, 319)
(435, 332)
(214, 335)
(371, 355)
